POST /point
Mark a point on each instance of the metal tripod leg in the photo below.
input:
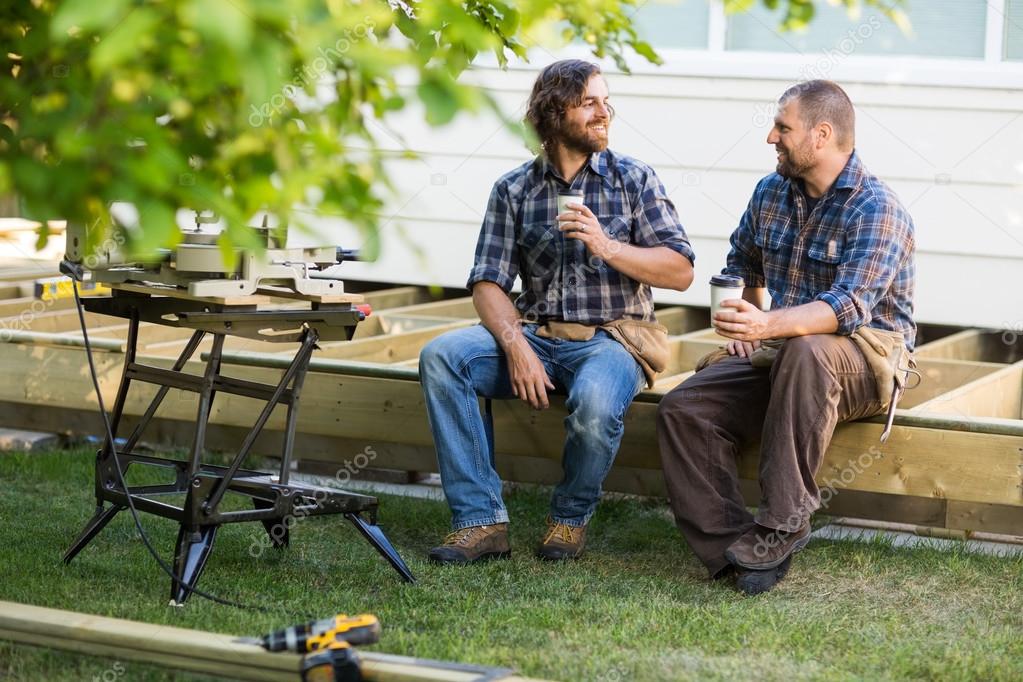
(380, 543)
(190, 556)
(98, 521)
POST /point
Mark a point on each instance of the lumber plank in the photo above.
(287, 294)
(974, 344)
(177, 292)
(688, 348)
(989, 518)
(200, 651)
(998, 394)
(683, 319)
(461, 308)
(941, 376)
(396, 297)
(389, 348)
(964, 345)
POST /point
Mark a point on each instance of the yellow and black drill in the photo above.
(327, 645)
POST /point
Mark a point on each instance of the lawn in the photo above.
(637, 607)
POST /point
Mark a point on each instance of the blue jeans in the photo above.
(600, 377)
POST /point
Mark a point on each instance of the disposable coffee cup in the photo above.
(724, 288)
(568, 197)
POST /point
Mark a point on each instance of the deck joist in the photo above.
(954, 459)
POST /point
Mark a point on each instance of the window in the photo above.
(1014, 29)
(673, 23)
(941, 28)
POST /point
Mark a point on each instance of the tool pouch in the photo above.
(647, 342)
(888, 358)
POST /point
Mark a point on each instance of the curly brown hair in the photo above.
(559, 86)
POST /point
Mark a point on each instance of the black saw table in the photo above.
(275, 500)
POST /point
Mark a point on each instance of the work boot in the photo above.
(562, 541)
(762, 548)
(473, 543)
(751, 582)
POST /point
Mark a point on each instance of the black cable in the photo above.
(124, 486)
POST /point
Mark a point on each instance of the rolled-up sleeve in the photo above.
(876, 246)
(745, 259)
(496, 257)
(655, 220)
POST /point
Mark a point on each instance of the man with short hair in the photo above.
(582, 272)
(834, 247)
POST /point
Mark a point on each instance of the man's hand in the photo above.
(747, 323)
(743, 349)
(529, 379)
(581, 224)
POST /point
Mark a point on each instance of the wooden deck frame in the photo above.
(954, 458)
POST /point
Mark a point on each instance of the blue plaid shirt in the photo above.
(854, 251)
(560, 279)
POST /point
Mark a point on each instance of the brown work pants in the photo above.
(815, 383)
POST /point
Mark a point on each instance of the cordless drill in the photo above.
(327, 644)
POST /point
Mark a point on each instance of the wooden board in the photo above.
(176, 292)
(997, 395)
(278, 292)
(204, 652)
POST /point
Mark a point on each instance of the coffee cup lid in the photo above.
(730, 281)
(570, 193)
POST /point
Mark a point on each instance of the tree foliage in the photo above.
(240, 106)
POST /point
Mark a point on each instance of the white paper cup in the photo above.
(565, 198)
(724, 288)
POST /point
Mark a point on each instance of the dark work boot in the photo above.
(751, 582)
(472, 544)
(762, 548)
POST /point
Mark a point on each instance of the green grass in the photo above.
(637, 607)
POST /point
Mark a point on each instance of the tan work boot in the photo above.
(472, 544)
(562, 541)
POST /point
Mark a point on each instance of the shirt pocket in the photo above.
(771, 237)
(824, 254)
(538, 253)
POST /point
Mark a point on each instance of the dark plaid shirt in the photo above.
(560, 279)
(854, 250)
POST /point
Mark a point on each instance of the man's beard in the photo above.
(583, 141)
(797, 162)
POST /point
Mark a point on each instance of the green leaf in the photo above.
(224, 21)
(440, 102)
(87, 15)
(124, 43)
(263, 77)
(645, 50)
(158, 229)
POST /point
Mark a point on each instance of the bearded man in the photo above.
(583, 272)
(835, 249)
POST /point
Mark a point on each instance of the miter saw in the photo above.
(197, 265)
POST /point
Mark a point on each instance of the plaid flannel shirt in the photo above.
(560, 280)
(854, 251)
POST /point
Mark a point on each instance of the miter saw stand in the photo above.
(275, 499)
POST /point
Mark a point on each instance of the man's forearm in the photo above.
(810, 318)
(657, 266)
(498, 314)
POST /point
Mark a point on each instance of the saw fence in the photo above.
(954, 459)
